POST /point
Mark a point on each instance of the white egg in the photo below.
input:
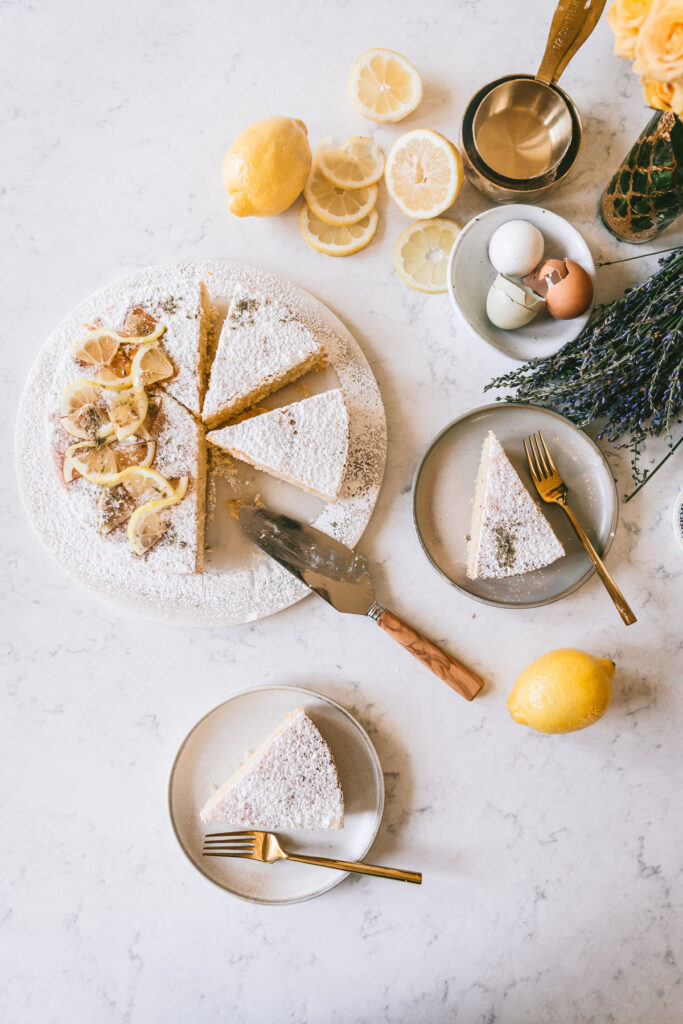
(516, 248)
(510, 305)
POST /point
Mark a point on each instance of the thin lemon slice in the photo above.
(95, 347)
(335, 205)
(142, 483)
(150, 364)
(384, 85)
(83, 410)
(421, 253)
(340, 239)
(127, 411)
(106, 458)
(423, 173)
(356, 163)
(145, 526)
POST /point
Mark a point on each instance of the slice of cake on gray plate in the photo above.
(305, 443)
(262, 347)
(289, 781)
(509, 534)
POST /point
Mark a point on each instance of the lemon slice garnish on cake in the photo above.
(105, 458)
(83, 410)
(340, 239)
(150, 364)
(423, 173)
(421, 253)
(95, 347)
(335, 205)
(127, 411)
(145, 526)
(356, 163)
(384, 85)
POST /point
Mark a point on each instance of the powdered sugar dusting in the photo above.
(306, 442)
(290, 781)
(262, 343)
(215, 597)
(514, 536)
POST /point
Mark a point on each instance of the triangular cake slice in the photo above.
(305, 443)
(180, 451)
(289, 781)
(509, 534)
(262, 347)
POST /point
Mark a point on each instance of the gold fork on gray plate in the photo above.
(265, 846)
(552, 488)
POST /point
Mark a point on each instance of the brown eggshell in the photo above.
(572, 295)
(554, 269)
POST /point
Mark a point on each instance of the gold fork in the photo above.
(266, 847)
(553, 489)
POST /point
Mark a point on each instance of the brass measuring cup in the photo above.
(522, 133)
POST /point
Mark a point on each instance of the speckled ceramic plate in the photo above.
(239, 583)
(444, 487)
(221, 740)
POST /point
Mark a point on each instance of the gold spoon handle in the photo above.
(572, 23)
(360, 869)
(612, 589)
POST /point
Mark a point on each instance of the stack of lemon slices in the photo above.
(339, 217)
(107, 413)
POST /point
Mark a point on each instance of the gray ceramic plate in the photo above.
(444, 486)
(213, 750)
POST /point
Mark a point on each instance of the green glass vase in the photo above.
(645, 194)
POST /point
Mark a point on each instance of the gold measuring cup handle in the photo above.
(572, 23)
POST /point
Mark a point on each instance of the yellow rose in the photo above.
(659, 46)
(625, 18)
(658, 94)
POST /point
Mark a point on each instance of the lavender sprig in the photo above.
(625, 369)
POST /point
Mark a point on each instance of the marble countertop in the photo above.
(552, 865)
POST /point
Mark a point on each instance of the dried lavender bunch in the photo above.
(624, 369)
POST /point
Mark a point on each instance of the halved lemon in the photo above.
(83, 410)
(145, 526)
(384, 85)
(150, 364)
(339, 239)
(335, 205)
(421, 253)
(356, 163)
(127, 411)
(423, 173)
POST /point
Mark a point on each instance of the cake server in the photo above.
(342, 577)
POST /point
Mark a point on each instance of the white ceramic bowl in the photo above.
(470, 275)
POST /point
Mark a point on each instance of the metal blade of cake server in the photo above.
(330, 568)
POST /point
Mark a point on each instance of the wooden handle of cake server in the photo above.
(467, 683)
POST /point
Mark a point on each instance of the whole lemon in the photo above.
(562, 691)
(267, 167)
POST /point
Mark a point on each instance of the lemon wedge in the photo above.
(384, 85)
(145, 526)
(421, 253)
(356, 163)
(340, 239)
(423, 173)
(83, 410)
(127, 411)
(335, 205)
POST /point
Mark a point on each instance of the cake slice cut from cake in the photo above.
(289, 781)
(509, 534)
(262, 347)
(305, 443)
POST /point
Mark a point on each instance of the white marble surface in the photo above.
(552, 866)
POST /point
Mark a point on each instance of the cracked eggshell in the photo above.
(572, 295)
(510, 305)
